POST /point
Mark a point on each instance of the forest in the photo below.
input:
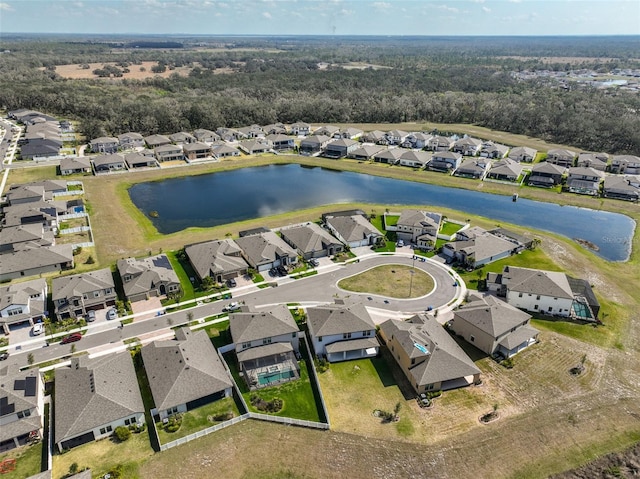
(241, 81)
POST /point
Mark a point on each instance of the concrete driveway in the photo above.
(146, 309)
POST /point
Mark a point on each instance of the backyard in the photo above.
(395, 281)
(28, 461)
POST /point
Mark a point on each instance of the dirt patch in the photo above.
(617, 465)
(135, 71)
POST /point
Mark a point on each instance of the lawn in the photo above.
(449, 228)
(394, 281)
(389, 247)
(390, 220)
(28, 461)
(219, 333)
(198, 419)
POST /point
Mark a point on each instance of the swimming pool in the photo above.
(272, 377)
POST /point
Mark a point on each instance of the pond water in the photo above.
(226, 197)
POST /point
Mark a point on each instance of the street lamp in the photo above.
(413, 265)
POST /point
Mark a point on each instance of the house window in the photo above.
(293, 335)
(107, 291)
(366, 333)
(266, 341)
(520, 295)
(550, 308)
(555, 299)
(85, 296)
(25, 413)
(127, 277)
(429, 387)
(538, 297)
(535, 307)
(472, 338)
(96, 294)
(413, 360)
(34, 296)
(14, 312)
(104, 430)
(173, 410)
(319, 339)
(246, 345)
(346, 336)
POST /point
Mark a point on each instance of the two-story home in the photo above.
(182, 138)
(628, 164)
(597, 161)
(475, 168)
(206, 136)
(561, 157)
(153, 141)
(131, 140)
(138, 160)
(311, 241)
(445, 161)
(252, 131)
(146, 277)
(584, 180)
(546, 175)
(266, 344)
(109, 163)
(429, 358)
(275, 129)
(467, 146)
(184, 373)
(224, 151)
(493, 326)
(350, 133)
(396, 137)
(439, 143)
(22, 303)
(342, 332)
(94, 397)
(300, 129)
(376, 137)
(492, 150)
(196, 151)
(353, 230)
(219, 259)
(417, 227)
(105, 145)
(73, 296)
(280, 141)
(505, 170)
(168, 153)
(481, 248)
(417, 140)
(21, 407)
(266, 250)
(313, 144)
(328, 130)
(340, 148)
(523, 154)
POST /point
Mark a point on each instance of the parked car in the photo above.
(112, 314)
(232, 283)
(91, 316)
(282, 270)
(38, 329)
(231, 307)
(71, 338)
(400, 243)
(273, 272)
(314, 262)
(4, 355)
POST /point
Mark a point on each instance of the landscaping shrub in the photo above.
(507, 363)
(223, 416)
(260, 404)
(122, 433)
(173, 423)
(322, 365)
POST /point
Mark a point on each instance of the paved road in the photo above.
(317, 289)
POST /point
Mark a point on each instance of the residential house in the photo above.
(280, 141)
(561, 157)
(627, 164)
(21, 407)
(206, 136)
(597, 161)
(492, 150)
(341, 332)
(313, 144)
(74, 165)
(300, 129)
(22, 194)
(493, 326)
(439, 143)
(417, 227)
(546, 292)
(584, 180)
(311, 241)
(445, 161)
(475, 168)
(266, 250)
(74, 296)
(219, 259)
(340, 148)
(94, 397)
(266, 344)
(105, 145)
(26, 116)
(350, 133)
(253, 131)
(182, 138)
(185, 373)
(522, 241)
(40, 148)
(275, 129)
(45, 213)
(138, 160)
(255, 147)
(366, 152)
(546, 175)
(505, 170)
(146, 277)
(224, 151)
(481, 248)
(621, 188)
(131, 140)
(376, 136)
(169, 153)
(353, 230)
(523, 154)
(467, 146)
(391, 156)
(196, 151)
(328, 130)
(109, 163)
(429, 358)
(22, 303)
(33, 262)
(417, 140)
(153, 141)
(396, 137)
(22, 237)
(415, 159)
(230, 135)
(41, 131)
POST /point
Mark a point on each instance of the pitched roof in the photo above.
(35, 258)
(101, 160)
(30, 232)
(104, 139)
(215, 257)
(391, 154)
(20, 294)
(491, 315)
(548, 168)
(146, 273)
(79, 284)
(367, 150)
(331, 319)
(506, 167)
(248, 326)
(352, 345)
(315, 140)
(419, 219)
(308, 238)
(75, 163)
(265, 248)
(156, 140)
(536, 281)
(412, 155)
(18, 392)
(585, 171)
(523, 151)
(352, 228)
(184, 369)
(94, 392)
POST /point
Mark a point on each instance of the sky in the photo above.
(323, 17)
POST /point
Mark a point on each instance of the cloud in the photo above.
(266, 15)
(486, 9)
(478, 1)
(6, 7)
(448, 8)
(381, 5)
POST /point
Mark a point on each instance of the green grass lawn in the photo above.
(185, 272)
(219, 334)
(389, 247)
(449, 228)
(28, 461)
(391, 220)
(198, 419)
(394, 281)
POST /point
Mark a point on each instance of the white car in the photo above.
(112, 314)
(38, 329)
(231, 307)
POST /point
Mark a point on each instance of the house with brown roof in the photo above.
(376, 136)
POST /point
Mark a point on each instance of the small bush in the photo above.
(174, 423)
(507, 363)
(260, 404)
(90, 260)
(122, 433)
(322, 365)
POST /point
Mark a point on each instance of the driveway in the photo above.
(146, 308)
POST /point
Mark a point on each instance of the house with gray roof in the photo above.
(353, 230)
(154, 141)
(40, 148)
(224, 151)
(109, 163)
(340, 148)
(561, 157)
(621, 187)
(75, 295)
(366, 152)
(275, 129)
(627, 164)
(252, 131)
(168, 153)
(482, 249)
(255, 146)
(22, 303)
(505, 170)
(445, 161)
(182, 138)
(105, 145)
(143, 278)
(75, 165)
(492, 150)
(206, 136)
(546, 175)
(350, 133)
(584, 180)
(35, 261)
(94, 397)
(391, 156)
(196, 151)
(313, 144)
(21, 407)
(467, 146)
(475, 168)
(27, 236)
(185, 373)
(138, 160)
(417, 140)
(219, 259)
(328, 130)
(20, 194)
(266, 343)
(280, 141)
(493, 326)
(396, 137)
(342, 332)
(415, 159)
(131, 140)
(523, 154)
(311, 241)
(376, 136)
(439, 143)
(429, 358)
(417, 227)
(266, 250)
(597, 161)
(300, 128)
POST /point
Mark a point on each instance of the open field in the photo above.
(395, 281)
(135, 73)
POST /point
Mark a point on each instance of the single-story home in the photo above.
(366, 152)
(224, 151)
(266, 250)
(314, 144)
(146, 277)
(390, 156)
(75, 165)
(153, 141)
(32, 262)
(546, 175)
(109, 163)
(280, 141)
(311, 240)
(561, 157)
(340, 148)
(255, 147)
(523, 154)
(415, 159)
(353, 230)
(621, 188)
(475, 168)
(219, 259)
(467, 146)
(138, 160)
(506, 169)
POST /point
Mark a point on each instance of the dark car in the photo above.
(4, 355)
(71, 338)
(282, 270)
(232, 283)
